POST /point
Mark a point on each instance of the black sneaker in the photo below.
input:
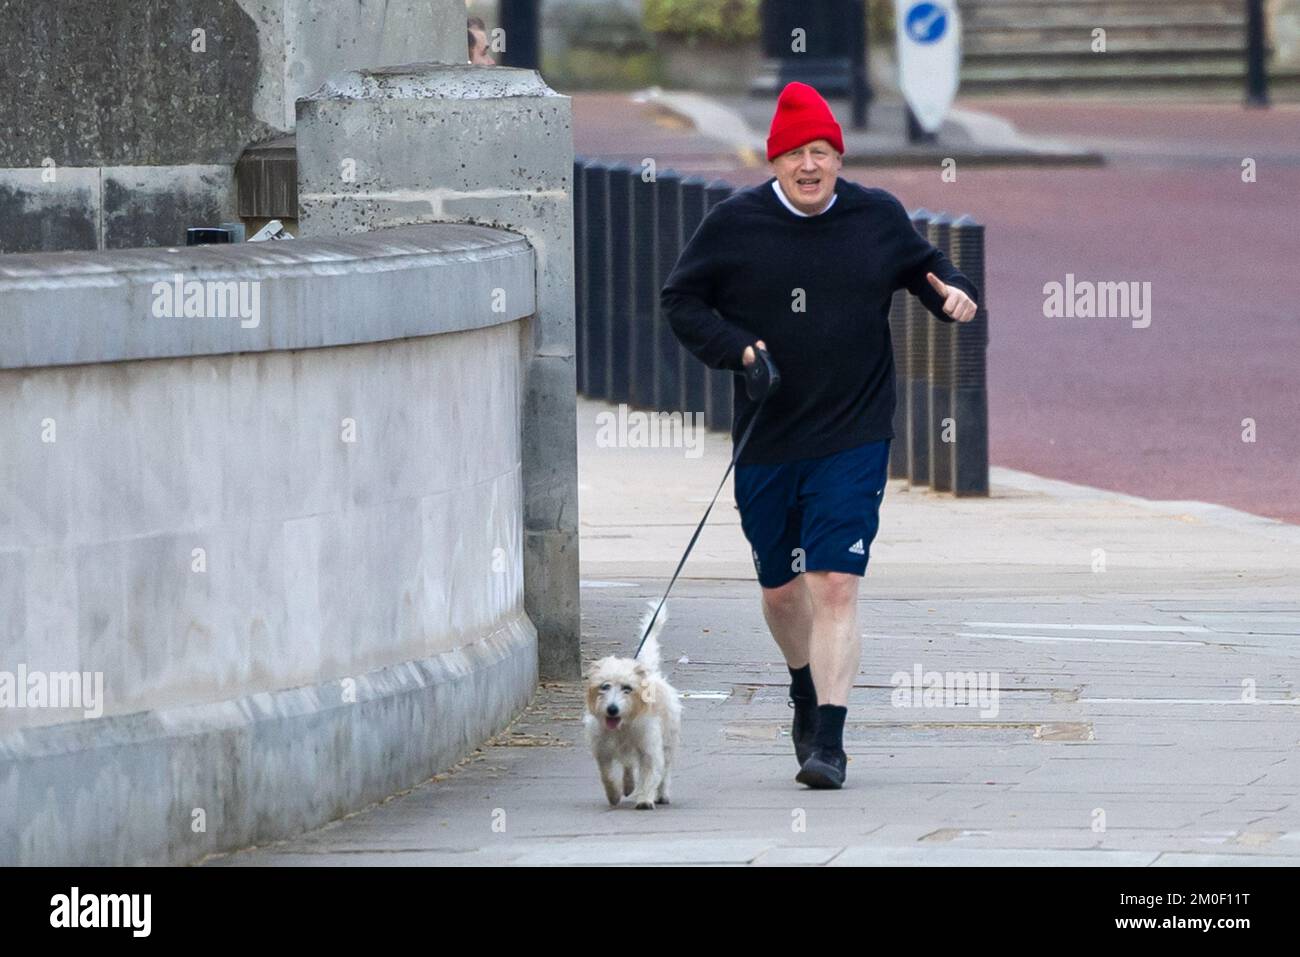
(803, 729)
(824, 769)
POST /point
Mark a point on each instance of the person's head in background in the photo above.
(478, 43)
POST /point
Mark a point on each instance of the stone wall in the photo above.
(288, 539)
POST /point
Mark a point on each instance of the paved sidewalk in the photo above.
(1121, 737)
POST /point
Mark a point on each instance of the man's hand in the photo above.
(956, 303)
(749, 358)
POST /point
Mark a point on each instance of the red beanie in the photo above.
(801, 117)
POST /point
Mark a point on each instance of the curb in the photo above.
(1221, 516)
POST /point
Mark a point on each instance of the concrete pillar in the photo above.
(450, 42)
(491, 145)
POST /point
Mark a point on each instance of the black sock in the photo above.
(801, 683)
(830, 726)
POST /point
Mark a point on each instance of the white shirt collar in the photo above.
(776, 186)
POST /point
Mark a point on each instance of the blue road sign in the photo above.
(927, 22)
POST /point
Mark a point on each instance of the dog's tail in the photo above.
(650, 650)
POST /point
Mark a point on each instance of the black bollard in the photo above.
(719, 393)
(621, 285)
(642, 352)
(580, 273)
(939, 364)
(917, 368)
(596, 203)
(1256, 49)
(970, 460)
(898, 344)
(692, 373)
(521, 23)
(860, 45)
(668, 244)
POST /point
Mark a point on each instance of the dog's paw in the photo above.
(645, 805)
(663, 799)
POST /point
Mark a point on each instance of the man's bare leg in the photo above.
(834, 648)
(834, 644)
(789, 614)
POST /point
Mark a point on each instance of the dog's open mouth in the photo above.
(613, 723)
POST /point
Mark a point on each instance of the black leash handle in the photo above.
(763, 373)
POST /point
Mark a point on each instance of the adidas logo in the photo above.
(856, 548)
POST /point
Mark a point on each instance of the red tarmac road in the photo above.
(1155, 411)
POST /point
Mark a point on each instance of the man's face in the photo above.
(807, 175)
(480, 55)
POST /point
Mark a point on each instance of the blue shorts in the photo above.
(813, 514)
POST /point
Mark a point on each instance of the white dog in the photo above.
(633, 722)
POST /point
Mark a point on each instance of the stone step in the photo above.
(1071, 7)
(1281, 88)
(1143, 21)
(1184, 31)
(1095, 12)
(1116, 47)
(1088, 72)
(1047, 44)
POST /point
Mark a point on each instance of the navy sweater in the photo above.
(756, 263)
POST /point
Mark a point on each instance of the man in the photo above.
(478, 43)
(804, 266)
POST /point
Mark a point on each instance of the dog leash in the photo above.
(762, 375)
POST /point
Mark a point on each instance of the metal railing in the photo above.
(628, 233)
